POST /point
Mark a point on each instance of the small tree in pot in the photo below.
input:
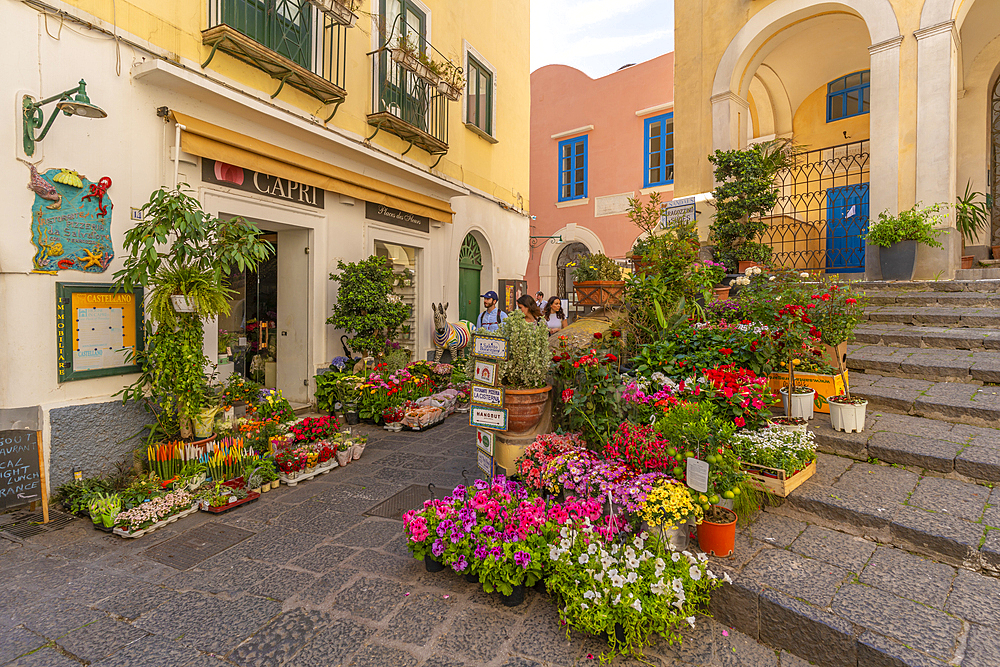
(366, 306)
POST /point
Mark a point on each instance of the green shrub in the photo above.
(913, 224)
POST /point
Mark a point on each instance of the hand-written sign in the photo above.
(20, 478)
(488, 396)
(491, 347)
(393, 216)
(486, 373)
(492, 418)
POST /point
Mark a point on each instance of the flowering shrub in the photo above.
(790, 451)
(238, 388)
(838, 310)
(146, 514)
(312, 429)
(638, 586)
(568, 471)
(645, 450)
(273, 405)
(536, 455)
(589, 381)
(669, 504)
(739, 395)
(685, 351)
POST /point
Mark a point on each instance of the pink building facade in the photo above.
(594, 144)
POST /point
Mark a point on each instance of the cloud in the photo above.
(596, 37)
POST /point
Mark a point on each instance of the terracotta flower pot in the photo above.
(718, 539)
(525, 407)
(967, 261)
(721, 293)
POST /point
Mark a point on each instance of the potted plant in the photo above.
(752, 254)
(195, 254)
(597, 280)
(344, 453)
(523, 373)
(797, 424)
(798, 402)
(452, 80)
(972, 217)
(898, 235)
(367, 308)
(666, 511)
(717, 532)
(341, 11)
(360, 442)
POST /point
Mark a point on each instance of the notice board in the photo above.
(20, 476)
(98, 330)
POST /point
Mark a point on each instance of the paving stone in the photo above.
(811, 632)
(811, 580)
(205, 660)
(280, 639)
(904, 383)
(324, 558)
(909, 576)
(543, 637)
(935, 533)
(914, 450)
(951, 496)
(889, 398)
(991, 515)
(786, 659)
(776, 530)
(982, 648)
(919, 627)
(418, 618)
(990, 552)
(371, 598)
(372, 533)
(695, 647)
(333, 644)
(834, 548)
(99, 639)
(974, 597)
(736, 605)
(443, 661)
(379, 563)
(46, 657)
(880, 485)
(18, 641)
(376, 655)
(316, 518)
(352, 500)
(874, 650)
(979, 463)
(279, 545)
(134, 601)
(54, 618)
(477, 634)
(735, 649)
(316, 591)
(195, 617)
(150, 650)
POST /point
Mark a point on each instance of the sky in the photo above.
(599, 36)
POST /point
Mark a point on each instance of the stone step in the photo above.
(969, 453)
(946, 401)
(839, 599)
(939, 365)
(954, 316)
(906, 335)
(978, 273)
(914, 298)
(968, 285)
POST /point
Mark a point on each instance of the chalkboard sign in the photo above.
(20, 481)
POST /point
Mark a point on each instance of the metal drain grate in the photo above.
(24, 523)
(188, 549)
(410, 498)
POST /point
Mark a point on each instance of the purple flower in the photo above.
(482, 485)
(437, 548)
(457, 535)
(488, 531)
(522, 558)
(481, 552)
(459, 492)
(444, 527)
(497, 553)
(459, 564)
(467, 515)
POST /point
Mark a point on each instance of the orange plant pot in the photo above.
(525, 408)
(718, 539)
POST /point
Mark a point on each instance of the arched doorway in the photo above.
(564, 274)
(470, 267)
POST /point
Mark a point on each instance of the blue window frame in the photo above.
(573, 168)
(848, 96)
(659, 150)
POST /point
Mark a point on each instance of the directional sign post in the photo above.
(487, 413)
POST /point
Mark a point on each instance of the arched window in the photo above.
(848, 96)
(567, 256)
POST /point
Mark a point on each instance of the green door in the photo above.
(470, 265)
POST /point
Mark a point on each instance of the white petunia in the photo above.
(637, 606)
(726, 578)
(583, 559)
(592, 549)
(631, 578)
(675, 556)
(690, 620)
(695, 573)
(590, 595)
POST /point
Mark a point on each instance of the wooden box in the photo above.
(599, 292)
(775, 480)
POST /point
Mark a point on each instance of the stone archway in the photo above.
(569, 253)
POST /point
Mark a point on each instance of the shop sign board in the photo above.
(485, 373)
(98, 330)
(678, 211)
(485, 463)
(20, 473)
(489, 347)
(492, 418)
(485, 441)
(393, 216)
(247, 180)
(488, 396)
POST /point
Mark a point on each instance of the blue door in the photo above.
(846, 225)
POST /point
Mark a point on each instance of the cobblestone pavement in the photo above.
(310, 581)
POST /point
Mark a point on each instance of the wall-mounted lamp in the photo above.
(33, 116)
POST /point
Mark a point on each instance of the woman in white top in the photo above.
(555, 317)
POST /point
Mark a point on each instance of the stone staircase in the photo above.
(890, 554)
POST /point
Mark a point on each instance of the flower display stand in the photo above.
(775, 480)
(251, 496)
(303, 476)
(159, 524)
(599, 292)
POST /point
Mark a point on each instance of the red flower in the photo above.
(567, 395)
(598, 335)
(850, 302)
(739, 421)
(616, 334)
(610, 357)
(557, 358)
(726, 350)
(825, 297)
(814, 296)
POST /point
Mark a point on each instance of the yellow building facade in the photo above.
(889, 102)
(313, 123)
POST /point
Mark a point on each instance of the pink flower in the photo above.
(739, 421)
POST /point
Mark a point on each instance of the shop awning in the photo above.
(218, 143)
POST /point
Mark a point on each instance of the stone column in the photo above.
(937, 131)
(884, 133)
(729, 121)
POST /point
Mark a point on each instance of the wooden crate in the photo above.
(599, 292)
(781, 485)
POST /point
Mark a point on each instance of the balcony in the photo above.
(292, 40)
(410, 106)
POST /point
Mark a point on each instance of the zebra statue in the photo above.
(452, 335)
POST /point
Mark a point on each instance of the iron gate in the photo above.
(822, 212)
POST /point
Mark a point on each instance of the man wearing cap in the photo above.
(490, 318)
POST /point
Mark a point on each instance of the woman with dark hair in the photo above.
(530, 309)
(555, 317)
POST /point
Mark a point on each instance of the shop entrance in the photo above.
(403, 260)
(470, 267)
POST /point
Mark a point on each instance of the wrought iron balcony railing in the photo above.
(292, 40)
(407, 105)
